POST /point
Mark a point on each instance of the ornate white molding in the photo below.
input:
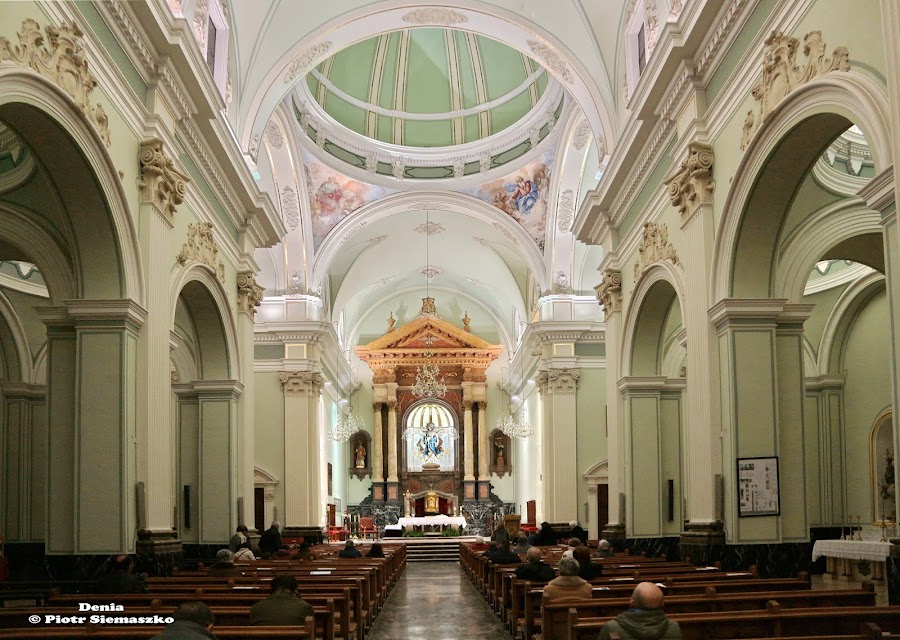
(59, 57)
(160, 183)
(274, 136)
(250, 294)
(290, 207)
(552, 60)
(558, 381)
(305, 61)
(582, 135)
(201, 19)
(430, 271)
(654, 247)
(691, 185)
(566, 211)
(434, 16)
(305, 383)
(430, 228)
(201, 247)
(781, 72)
(609, 291)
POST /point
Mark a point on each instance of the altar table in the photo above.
(850, 553)
(441, 521)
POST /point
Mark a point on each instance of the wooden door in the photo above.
(331, 515)
(259, 508)
(531, 508)
(602, 507)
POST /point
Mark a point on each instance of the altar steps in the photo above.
(429, 549)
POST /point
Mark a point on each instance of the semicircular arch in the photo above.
(840, 322)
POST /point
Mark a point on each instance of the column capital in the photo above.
(376, 406)
(250, 294)
(301, 382)
(555, 381)
(691, 185)
(482, 405)
(467, 405)
(161, 184)
(758, 312)
(609, 291)
(114, 312)
(222, 389)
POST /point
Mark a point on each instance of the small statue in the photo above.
(466, 322)
(498, 444)
(360, 455)
(391, 322)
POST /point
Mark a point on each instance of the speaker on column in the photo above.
(187, 506)
(240, 509)
(141, 500)
(621, 508)
(671, 498)
(720, 497)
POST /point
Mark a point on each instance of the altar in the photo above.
(854, 559)
(427, 523)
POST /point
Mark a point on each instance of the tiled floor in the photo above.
(435, 601)
(828, 582)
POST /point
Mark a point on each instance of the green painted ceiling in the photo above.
(381, 87)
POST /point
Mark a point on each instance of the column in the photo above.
(609, 294)
(558, 389)
(187, 417)
(218, 458)
(469, 444)
(824, 418)
(484, 455)
(691, 192)
(392, 479)
(250, 296)
(377, 456)
(593, 515)
(162, 188)
(301, 453)
(23, 444)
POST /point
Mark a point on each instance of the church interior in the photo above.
(406, 271)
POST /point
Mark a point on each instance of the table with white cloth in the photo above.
(848, 557)
(434, 523)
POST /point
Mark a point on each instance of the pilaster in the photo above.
(23, 446)
(249, 297)
(558, 388)
(484, 447)
(825, 451)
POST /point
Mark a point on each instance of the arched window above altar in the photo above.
(430, 434)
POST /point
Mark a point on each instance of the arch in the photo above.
(814, 237)
(72, 152)
(840, 321)
(208, 303)
(656, 278)
(404, 202)
(19, 338)
(482, 18)
(820, 109)
(453, 434)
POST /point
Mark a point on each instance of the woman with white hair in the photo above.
(568, 586)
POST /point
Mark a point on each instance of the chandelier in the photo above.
(346, 424)
(513, 428)
(429, 381)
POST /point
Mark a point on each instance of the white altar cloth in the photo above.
(441, 520)
(852, 549)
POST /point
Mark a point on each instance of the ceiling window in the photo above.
(211, 32)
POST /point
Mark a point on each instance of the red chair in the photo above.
(337, 534)
(367, 527)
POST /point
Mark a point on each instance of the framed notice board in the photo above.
(758, 490)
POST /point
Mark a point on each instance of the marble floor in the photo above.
(435, 601)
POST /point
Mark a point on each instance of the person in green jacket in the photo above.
(283, 607)
(645, 619)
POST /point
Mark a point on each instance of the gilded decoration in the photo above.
(691, 185)
(301, 382)
(654, 247)
(782, 71)
(250, 294)
(201, 247)
(160, 184)
(609, 291)
(60, 57)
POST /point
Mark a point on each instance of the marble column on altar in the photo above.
(469, 443)
(484, 474)
(393, 481)
(378, 456)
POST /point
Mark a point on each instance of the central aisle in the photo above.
(434, 600)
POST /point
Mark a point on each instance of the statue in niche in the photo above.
(500, 446)
(360, 454)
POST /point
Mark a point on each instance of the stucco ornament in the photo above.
(201, 247)
(305, 61)
(201, 19)
(290, 206)
(566, 212)
(435, 16)
(552, 60)
(301, 382)
(782, 73)
(250, 294)
(160, 184)
(609, 291)
(274, 136)
(371, 162)
(692, 185)
(654, 247)
(582, 135)
(459, 168)
(59, 57)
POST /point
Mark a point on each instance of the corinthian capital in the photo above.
(692, 185)
(160, 184)
(250, 294)
(307, 383)
(609, 291)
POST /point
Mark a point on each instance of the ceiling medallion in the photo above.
(434, 16)
(430, 228)
(430, 271)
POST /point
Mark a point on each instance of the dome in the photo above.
(427, 87)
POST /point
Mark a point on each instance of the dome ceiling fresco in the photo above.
(427, 87)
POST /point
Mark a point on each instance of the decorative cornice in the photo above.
(434, 16)
(160, 183)
(250, 294)
(609, 291)
(654, 247)
(306, 383)
(691, 185)
(60, 57)
(201, 247)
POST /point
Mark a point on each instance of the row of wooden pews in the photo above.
(707, 602)
(346, 595)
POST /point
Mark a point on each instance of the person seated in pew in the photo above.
(536, 569)
(239, 538)
(578, 532)
(122, 579)
(503, 555)
(244, 553)
(349, 551)
(192, 621)
(283, 553)
(522, 545)
(284, 607)
(302, 550)
(224, 565)
(480, 544)
(375, 551)
(270, 540)
(500, 535)
(546, 537)
(573, 542)
(568, 586)
(493, 548)
(604, 550)
(644, 620)
(587, 570)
